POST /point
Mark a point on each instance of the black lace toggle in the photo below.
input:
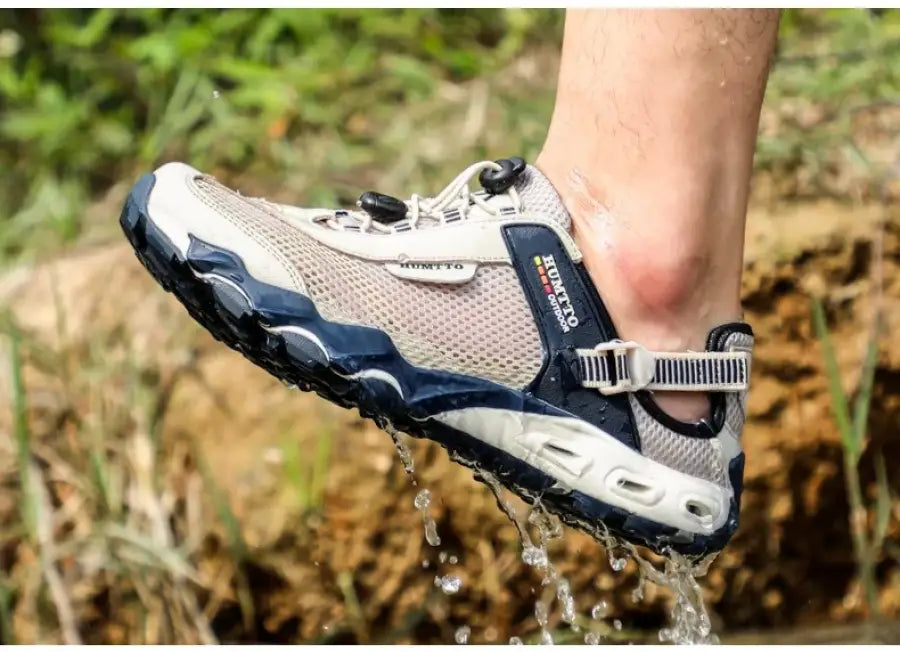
(382, 208)
(499, 181)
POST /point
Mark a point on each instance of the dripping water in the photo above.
(421, 503)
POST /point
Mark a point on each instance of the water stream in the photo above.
(689, 619)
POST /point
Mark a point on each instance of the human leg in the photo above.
(651, 147)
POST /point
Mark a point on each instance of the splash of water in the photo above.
(462, 635)
(421, 503)
(534, 556)
(592, 638)
(690, 623)
(449, 584)
(690, 619)
(556, 587)
(600, 610)
(515, 640)
(402, 449)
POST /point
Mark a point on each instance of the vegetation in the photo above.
(308, 100)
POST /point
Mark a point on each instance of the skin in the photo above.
(651, 148)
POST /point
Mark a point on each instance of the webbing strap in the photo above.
(616, 367)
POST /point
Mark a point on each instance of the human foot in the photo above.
(469, 319)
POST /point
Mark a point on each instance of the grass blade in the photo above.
(882, 502)
(7, 637)
(320, 467)
(236, 544)
(838, 397)
(866, 383)
(23, 437)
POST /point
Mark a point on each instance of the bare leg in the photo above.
(651, 146)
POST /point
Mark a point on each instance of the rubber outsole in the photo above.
(232, 318)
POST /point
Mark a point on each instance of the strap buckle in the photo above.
(632, 366)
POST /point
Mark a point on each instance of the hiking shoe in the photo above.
(467, 318)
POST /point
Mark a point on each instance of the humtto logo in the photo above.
(556, 292)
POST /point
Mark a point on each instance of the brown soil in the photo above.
(115, 367)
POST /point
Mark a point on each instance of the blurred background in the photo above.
(157, 488)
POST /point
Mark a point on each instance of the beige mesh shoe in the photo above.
(469, 319)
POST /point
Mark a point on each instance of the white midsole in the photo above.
(598, 465)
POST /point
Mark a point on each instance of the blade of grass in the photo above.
(838, 397)
(851, 444)
(296, 472)
(866, 383)
(7, 636)
(23, 437)
(235, 541)
(354, 608)
(882, 502)
(320, 467)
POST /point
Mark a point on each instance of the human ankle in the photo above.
(665, 283)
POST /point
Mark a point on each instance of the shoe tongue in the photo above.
(539, 196)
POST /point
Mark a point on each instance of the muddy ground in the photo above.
(138, 423)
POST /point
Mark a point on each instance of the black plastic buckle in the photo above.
(499, 181)
(382, 208)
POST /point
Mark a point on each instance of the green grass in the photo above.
(868, 540)
(29, 506)
(306, 474)
(89, 97)
(315, 101)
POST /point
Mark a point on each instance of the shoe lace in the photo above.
(457, 194)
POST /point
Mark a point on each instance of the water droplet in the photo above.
(592, 638)
(449, 584)
(442, 557)
(600, 610)
(454, 559)
(423, 499)
(431, 535)
(638, 593)
(534, 556)
(425, 563)
(617, 625)
(541, 613)
(216, 95)
(616, 563)
(566, 601)
(402, 449)
(462, 635)
(515, 640)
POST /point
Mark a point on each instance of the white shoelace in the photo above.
(456, 194)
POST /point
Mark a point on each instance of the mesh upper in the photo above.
(698, 457)
(539, 196)
(483, 328)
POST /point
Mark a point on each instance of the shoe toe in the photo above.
(185, 204)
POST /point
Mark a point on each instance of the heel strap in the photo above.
(616, 367)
